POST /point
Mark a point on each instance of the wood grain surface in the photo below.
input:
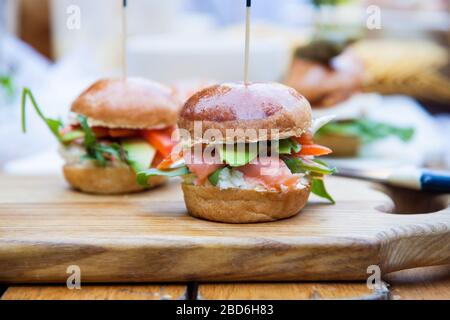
(421, 283)
(287, 291)
(148, 237)
(430, 283)
(117, 292)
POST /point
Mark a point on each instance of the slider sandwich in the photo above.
(331, 75)
(120, 127)
(246, 154)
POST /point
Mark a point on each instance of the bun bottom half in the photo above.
(107, 180)
(242, 206)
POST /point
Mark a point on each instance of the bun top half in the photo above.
(131, 103)
(238, 106)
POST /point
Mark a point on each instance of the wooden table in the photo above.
(421, 283)
(424, 283)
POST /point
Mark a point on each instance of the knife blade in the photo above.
(407, 177)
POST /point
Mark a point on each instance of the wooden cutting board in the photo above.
(46, 227)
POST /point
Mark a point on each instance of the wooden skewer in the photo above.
(247, 39)
(124, 40)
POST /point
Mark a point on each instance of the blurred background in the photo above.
(381, 67)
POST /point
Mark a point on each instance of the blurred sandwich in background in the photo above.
(338, 76)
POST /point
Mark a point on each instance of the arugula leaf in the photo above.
(296, 147)
(318, 188)
(299, 165)
(114, 149)
(316, 170)
(367, 130)
(97, 155)
(323, 163)
(7, 83)
(317, 166)
(89, 137)
(293, 164)
(96, 150)
(214, 177)
(53, 124)
(238, 155)
(287, 146)
(142, 177)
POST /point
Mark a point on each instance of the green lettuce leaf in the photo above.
(367, 130)
(53, 124)
(142, 177)
(318, 188)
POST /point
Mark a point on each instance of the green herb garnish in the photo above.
(318, 188)
(53, 124)
(89, 137)
(7, 83)
(316, 169)
(287, 146)
(97, 150)
(299, 165)
(365, 129)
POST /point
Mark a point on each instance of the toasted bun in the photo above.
(107, 180)
(242, 206)
(133, 103)
(252, 106)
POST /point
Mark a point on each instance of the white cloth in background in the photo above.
(26, 68)
(54, 87)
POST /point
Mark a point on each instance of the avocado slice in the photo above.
(139, 153)
(238, 155)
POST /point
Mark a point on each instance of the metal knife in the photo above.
(410, 177)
